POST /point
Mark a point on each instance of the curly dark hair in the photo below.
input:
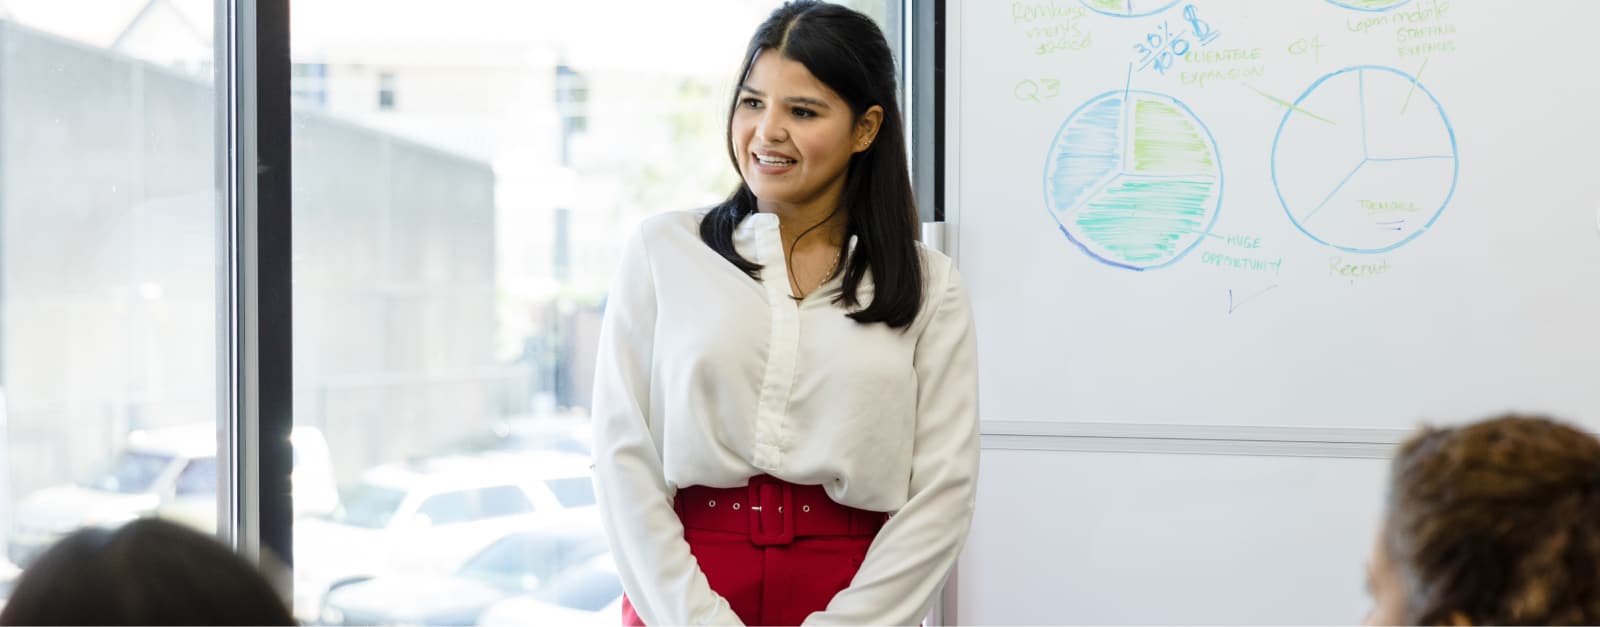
(1497, 522)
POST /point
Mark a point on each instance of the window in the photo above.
(516, 559)
(369, 507)
(309, 83)
(503, 501)
(449, 508)
(109, 271)
(450, 255)
(199, 478)
(386, 91)
(131, 473)
(572, 106)
(589, 588)
(573, 492)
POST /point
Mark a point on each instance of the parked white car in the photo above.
(520, 563)
(588, 595)
(429, 516)
(169, 472)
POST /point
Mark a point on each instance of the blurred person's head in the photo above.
(815, 123)
(1492, 523)
(147, 572)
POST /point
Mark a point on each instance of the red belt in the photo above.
(773, 512)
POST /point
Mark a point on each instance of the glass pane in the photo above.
(108, 269)
(504, 501)
(132, 473)
(465, 174)
(368, 507)
(198, 478)
(514, 559)
(589, 587)
(449, 508)
(573, 492)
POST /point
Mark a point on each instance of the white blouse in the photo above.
(708, 377)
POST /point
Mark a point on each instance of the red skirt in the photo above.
(775, 550)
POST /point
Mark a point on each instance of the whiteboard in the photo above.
(1284, 213)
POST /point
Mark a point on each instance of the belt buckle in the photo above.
(771, 513)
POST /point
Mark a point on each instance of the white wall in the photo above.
(1086, 537)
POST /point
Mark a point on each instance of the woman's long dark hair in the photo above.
(848, 53)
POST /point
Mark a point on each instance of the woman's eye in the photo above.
(804, 113)
(750, 103)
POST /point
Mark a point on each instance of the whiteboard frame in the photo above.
(1045, 435)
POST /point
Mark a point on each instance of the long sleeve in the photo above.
(915, 550)
(661, 577)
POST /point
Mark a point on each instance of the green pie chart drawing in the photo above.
(1134, 179)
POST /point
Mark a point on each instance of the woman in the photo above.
(778, 375)
(1494, 523)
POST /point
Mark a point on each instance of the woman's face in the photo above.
(793, 136)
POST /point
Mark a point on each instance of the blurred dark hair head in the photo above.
(1497, 523)
(147, 572)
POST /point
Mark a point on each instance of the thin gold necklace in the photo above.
(832, 266)
(788, 259)
(828, 275)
